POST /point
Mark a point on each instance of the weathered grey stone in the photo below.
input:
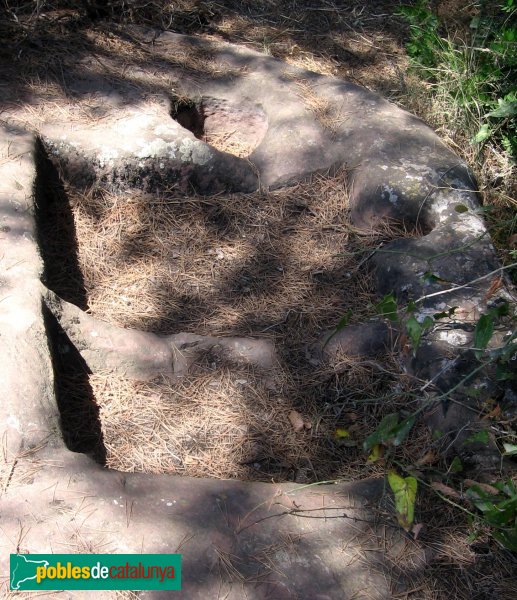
(134, 354)
(144, 356)
(296, 122)
(369, 340)
(143, 147)
(237, 538)
(28, 408)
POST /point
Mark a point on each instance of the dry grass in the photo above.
(233, 142)
(226, 424)
(232, 264)
(285, 265)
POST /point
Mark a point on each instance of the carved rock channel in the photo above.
(400, 171)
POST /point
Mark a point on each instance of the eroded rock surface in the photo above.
(144, 356)
(298, 123)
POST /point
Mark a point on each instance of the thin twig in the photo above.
(466, 285)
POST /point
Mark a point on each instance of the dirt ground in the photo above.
(285, 265)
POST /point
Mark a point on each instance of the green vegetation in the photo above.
(491, 508)
(469, 76)
(475, 73)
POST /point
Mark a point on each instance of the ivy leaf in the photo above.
(456, 465)
(502, 373)
(505, 109)
(508, 538)
(390, 431)
(430, 277)
(480, 436)
(404, 490)
(400, 432)
(501, 310)
(387, 307)
(483, 333)
(443, 315)
(415, 330)
(383, 431)
(411, 307)
(483, 134)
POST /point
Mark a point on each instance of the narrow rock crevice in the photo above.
(79, 413)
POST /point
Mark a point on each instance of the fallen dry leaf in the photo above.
(296, 420)
(445, 490)
(428, 459)
(404, 344)
(489, 489)
(495, 412)
(416, 529)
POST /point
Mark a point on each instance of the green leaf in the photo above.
(461, 208)
(400, 433)
(502, 373)
(443, 315)
(415, 330)
(376, 453)
(404, 490)
(508, 538)
(390, 431)
(387, 307)
(411, 307)
(505, 109)
(383, 431)
(456, 465)
(508, 488)
(483, 134)
(501, 514)
(341, 433)
(345, 319)
(509, 449)
(428, 322)
(501, 310)
(473, 537)
(479, 436)
(483, 333)
(440, 315)
(480, 499)
(430, 277)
